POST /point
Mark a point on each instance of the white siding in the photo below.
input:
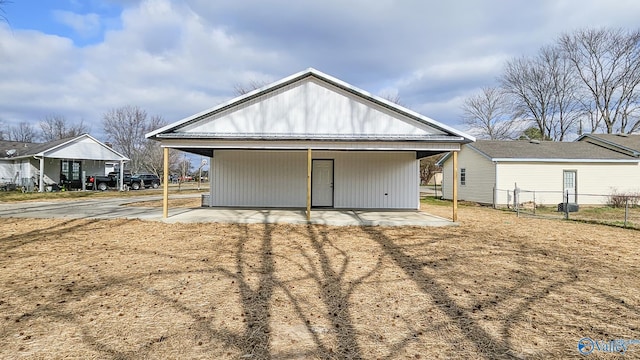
(7, 171)
(480, 177)
(367, 180)
(546, 180)
(310, 107)
(83, 148)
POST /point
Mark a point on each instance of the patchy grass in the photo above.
(494, 287)
(595, 214)
(434, 201)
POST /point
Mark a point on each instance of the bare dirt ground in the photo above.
(495, 287)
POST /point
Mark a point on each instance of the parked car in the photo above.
(150, 180)
(102, 183)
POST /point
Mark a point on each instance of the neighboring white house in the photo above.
(42, 164)
(489, 171)
(359, 150)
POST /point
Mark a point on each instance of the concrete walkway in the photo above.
(114, 208)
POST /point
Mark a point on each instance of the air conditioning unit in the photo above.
(571, 207)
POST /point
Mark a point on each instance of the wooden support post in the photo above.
(308, 184)
(455, 186)
(165, 184)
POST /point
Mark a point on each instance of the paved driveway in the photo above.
(113, 208)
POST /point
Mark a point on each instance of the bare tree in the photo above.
(428, 168)
(184, 167)
(154, 159)
(241, 89)
(543, 89)
(23, 132)
(566, 110)
(4, 132)
(55, 127)
(125, 128)
(153, 153)
(392, 97)
(2, 12)
(607, 61)
(490, 114)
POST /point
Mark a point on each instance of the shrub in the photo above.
(619, 199)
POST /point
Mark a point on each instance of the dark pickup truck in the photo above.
(102, 183)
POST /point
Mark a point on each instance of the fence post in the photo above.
(494, 196)
(566, 206)
(534, 202)
(516, 199)
(626, 210)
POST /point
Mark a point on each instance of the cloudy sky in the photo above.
(80, 58)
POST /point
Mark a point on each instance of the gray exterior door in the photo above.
(322, 183)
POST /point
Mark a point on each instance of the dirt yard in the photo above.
(495, 287)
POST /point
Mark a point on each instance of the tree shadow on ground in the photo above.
(250, 270)
(486, 345)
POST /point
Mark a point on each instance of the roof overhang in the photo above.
(597, 139)
(167, 131)
(191, 145)
(535, 160)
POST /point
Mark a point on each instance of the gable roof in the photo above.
(310, 105)
(12, 149)
(545, 151)
(626, 143)
(89, 148)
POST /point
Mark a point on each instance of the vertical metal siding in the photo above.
(259, 178)
(363, 178)
(278, 179)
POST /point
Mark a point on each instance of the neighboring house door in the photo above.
(71, 173)
(570, 183)
(322, 183)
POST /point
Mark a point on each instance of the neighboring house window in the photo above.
(463, 176)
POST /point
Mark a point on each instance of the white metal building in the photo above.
(312, 140)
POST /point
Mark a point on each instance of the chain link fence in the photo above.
(617, 209)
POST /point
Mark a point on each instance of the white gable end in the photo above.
(309, 107)
(83, 148)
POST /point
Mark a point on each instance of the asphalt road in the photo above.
(104, 208)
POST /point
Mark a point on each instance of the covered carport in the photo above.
(314, 142)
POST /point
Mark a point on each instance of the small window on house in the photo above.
(463, 176)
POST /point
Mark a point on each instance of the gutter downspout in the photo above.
(495, 184)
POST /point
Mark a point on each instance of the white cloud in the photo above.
(85, 25)
(177, 57)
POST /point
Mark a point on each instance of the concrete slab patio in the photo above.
(298, 216)
(115, 208)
